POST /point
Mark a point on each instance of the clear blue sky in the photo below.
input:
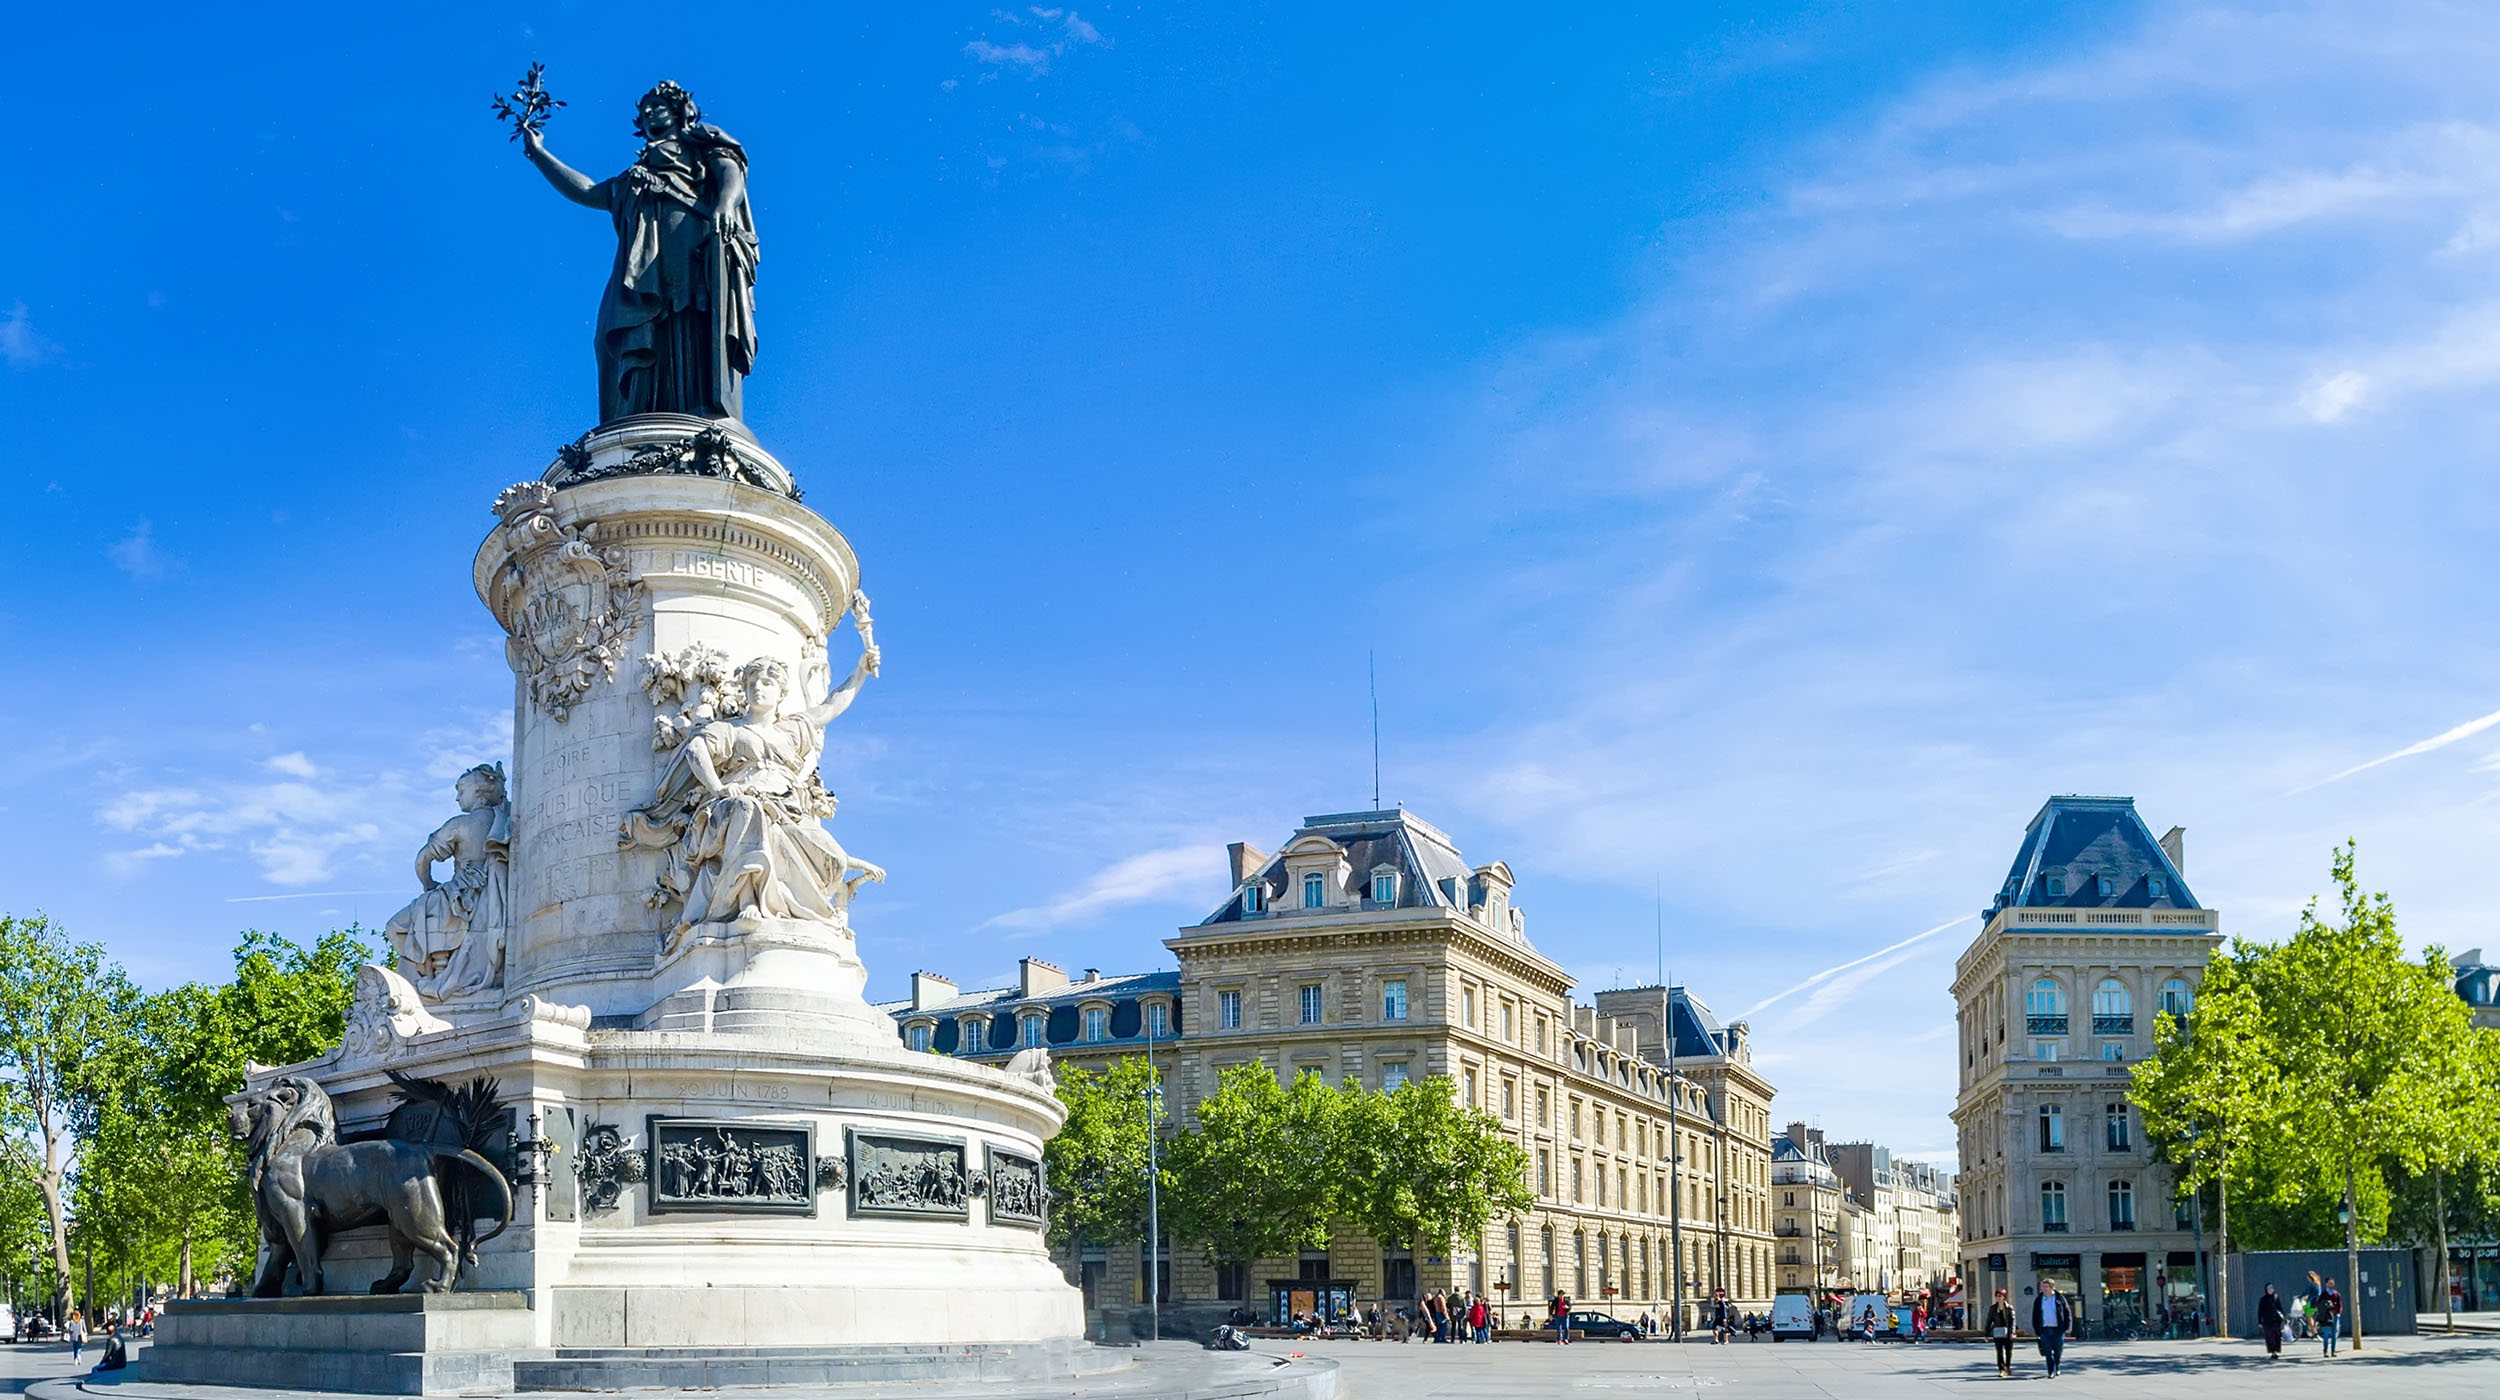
(1768, 451)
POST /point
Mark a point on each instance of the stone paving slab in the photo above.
(1161, 1371)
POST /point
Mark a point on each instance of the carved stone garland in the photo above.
(569, 605)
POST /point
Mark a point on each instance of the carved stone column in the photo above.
(650, 541)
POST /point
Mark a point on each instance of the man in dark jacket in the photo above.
(2330, 1316)
(2270, 1322)
(2051, 1316)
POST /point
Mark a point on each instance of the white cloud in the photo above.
(1185, 875)
(297, 829)
(1054, 33)
(294, 765)
(138, 555)
(21, 345)
(2440, 740)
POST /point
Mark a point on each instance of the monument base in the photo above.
(389, 1344)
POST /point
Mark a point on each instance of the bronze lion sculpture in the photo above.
(307, 1186)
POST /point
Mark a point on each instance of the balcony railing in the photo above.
(2044, 1025)
(2113, 1025)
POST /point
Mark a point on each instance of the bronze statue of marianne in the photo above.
(677, 324)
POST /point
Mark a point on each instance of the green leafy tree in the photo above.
(64, 1010)
(1097, 1162)
(2456, 1179)
(2367, 1039)
(1258, 1166)
(1418, 1169)
(2210, 1091)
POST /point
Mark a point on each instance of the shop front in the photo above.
(2122, 1293)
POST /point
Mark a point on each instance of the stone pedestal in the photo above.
(736, 1156)
(396, 1344)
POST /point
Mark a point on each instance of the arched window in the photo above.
(2044, 1008)
(2176, 998)
(2053, 1207)
(2113, 1008)
(2121, 1205)
(1314, 890)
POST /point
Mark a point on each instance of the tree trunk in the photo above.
(2352, 1258)
(2222, 1257)
(57, 1216)
(182, 1286)
(2439, 1209)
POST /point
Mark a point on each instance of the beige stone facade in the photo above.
(2094, 934)
(1368, 951)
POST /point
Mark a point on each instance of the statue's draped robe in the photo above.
(677, 324)
(761, 852)
(461, 920)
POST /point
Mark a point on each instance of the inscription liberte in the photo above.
(712, 566)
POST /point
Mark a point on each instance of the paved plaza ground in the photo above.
(2414, 1368)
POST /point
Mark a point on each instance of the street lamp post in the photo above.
(1154, 1204)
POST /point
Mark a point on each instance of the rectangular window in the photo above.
(1601, 1186)
(1158, 1019)
(1097, 1024)
(1577, 1193)
(1032, 1031)
(1509, 1098)
(1544, 1172)
(1467, 1006)
(2052, 1128)
(2045, 1051)
(1310, 1004)
(1540, 1035)
(1393, 1000)
(1469, 1076)
(1506, 1020)
(1391, 1076)
(1384, 888)
(2121, 1129)
(919, 1037)
(1228, 1010)
(1544, 1110)
(2113, 1050)
(1314, 890)
(1253, 898)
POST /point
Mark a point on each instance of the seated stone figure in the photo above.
(450, 939)
(740, 808)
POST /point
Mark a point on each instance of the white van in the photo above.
(1792, 1315)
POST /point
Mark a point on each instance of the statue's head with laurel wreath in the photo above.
(754, 679)
(665, 112)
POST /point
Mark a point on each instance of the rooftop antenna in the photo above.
(1372, 671)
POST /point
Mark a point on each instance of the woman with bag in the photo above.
(2001, 1331)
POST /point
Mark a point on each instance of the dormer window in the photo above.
(1158, 1020)
(2057, 884)
(2156, 886)
(2107, 886)
(1254, 898)
(1033, 1026)
(1314, 891)
(918, 1037)
(1097, 1023)
(1384, 887)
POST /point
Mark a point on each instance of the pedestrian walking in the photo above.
(2001, 1332)
(2050, 1318)
(77, 1333)
(2330, 1316)
(1918, 1322)
(2270, 1322)
(1560, 1312)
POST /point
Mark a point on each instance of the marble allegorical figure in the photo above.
(676, 328)
(450, 939)
(739, 810)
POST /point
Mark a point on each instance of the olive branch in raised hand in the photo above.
(528, 106)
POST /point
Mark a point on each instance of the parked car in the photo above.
(1597, 1324)
(1792, 1315)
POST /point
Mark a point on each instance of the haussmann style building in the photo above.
(2093, 932)
(1368, 949)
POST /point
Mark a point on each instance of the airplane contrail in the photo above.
(2466, 730)
(1831, 972)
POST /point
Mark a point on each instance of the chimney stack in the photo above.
(1034, 977)
(2174, 845)
(928, 989)
(1246, 860)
